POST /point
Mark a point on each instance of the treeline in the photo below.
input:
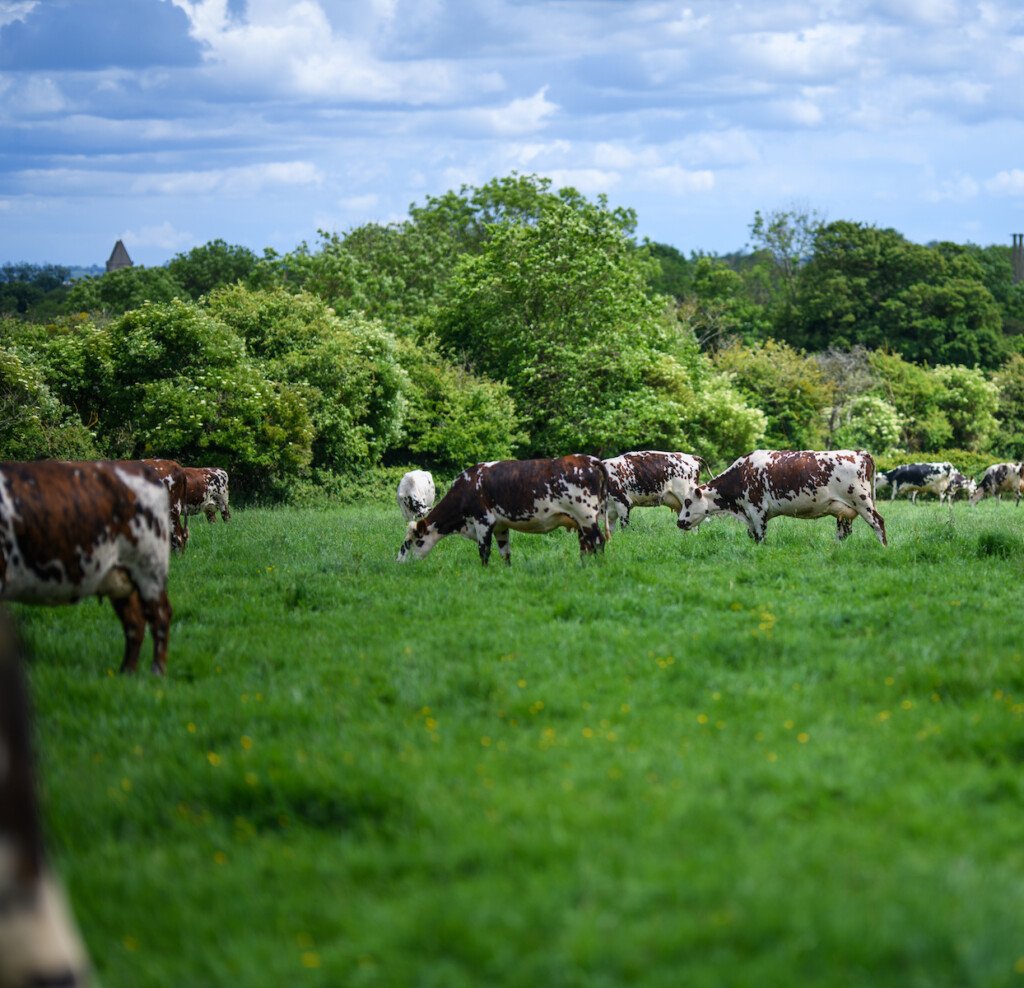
(514, 319)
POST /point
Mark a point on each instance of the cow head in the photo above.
(420, 538)
(695, 508)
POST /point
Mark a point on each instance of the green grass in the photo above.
(694, 761)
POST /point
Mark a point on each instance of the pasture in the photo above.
(694, 761)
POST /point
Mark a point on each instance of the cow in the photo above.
(648, 478)
(94, 528)
(915, 478)
(525, 495)
(958, 483)
(39, 942)
(173, 476)
(1000, 478)
(206, 492)
(415, 494)
(801, 484)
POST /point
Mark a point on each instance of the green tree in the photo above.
(1009, 380)
(786, 385)
(868, 422)
(119, 291)
(34, 424)
(559, 309)
(916, 394)
(210, 266)
(970, 402)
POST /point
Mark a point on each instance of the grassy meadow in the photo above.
(693, 762)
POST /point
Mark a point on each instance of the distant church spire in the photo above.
(119, 258)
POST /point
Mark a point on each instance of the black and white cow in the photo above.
(1000, 478)
(804, 484)
(647, 478)
(525, 495)
(917, 478)
(39, 943)
(416, 494)
(957, 485)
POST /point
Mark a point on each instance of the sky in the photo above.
(171, 123)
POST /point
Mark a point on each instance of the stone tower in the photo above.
(119, 258)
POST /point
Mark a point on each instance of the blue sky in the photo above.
(169, 123)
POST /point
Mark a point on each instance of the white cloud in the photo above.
(521, 116)
(589, 181)
(822, 51)
(245, 180)
(679, 181)
(360, 204)
(165, 236)
(959, 188)
(1007, 183)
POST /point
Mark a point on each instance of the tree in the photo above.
(119, 291)
(210, 266)
(559, 309)
(36, 424)
(786, 385)
(1009, 380)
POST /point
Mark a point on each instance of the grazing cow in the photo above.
(525, 495)
(416, 494)
(39, 943)
(206, 492)
(74, 530)
(172, 473)
(915, 478)
(648, 478)
(805, 484)
(957, 484)
(1000, 478)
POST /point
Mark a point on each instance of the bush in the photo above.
(36, 425)
(868, 422)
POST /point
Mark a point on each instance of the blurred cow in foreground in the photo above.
(805, 484)
(93, 528)
(525, 495)
(39, 943)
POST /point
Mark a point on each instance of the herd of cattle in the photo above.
(580, 492)
(107, 528)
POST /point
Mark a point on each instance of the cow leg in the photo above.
(211, 513)
(483, 542)
(158, 614)
(756, 525)
(591, 538)
(129, 610)
(913, 497)
(874, 519)
(843, 528)
(504, 548)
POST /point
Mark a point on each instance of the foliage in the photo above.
(454, 418)
(35, 424)
(347, 368)
(211, 266)
(718, 308)
(867, 422)
(674, 274)
(32, 290)
(719, 422)
(786, 385)
(559, 310)
(116, 292)
(1009, 380)
(916, 394)
(783, 240)
(969, 402)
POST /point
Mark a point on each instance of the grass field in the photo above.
(693, 762)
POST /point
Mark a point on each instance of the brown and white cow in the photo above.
(172, 473)
(207, 492)
(647, 478)
(802, 484)
(525, 495)
(94, 528)
(39, 942)
(1000, 478)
